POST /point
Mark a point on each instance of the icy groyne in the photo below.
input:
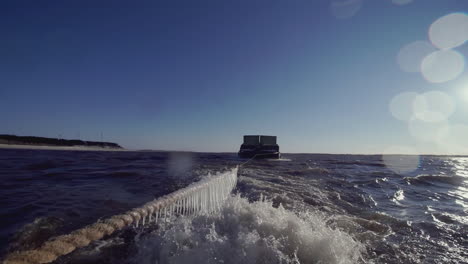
(205, 196)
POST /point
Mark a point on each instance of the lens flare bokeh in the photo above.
(402, 2)
(442, 66)
(343, 9)
(428, 131)
(411, 55)
(401, 106)
(449, 31)
(401, 159)
(433, 106)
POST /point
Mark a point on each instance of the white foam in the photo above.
(243, 232)
(281, 159)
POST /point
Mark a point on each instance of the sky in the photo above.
(340, 76)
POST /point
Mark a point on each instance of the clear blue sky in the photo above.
(197, 75)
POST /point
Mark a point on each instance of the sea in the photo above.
(302, 208)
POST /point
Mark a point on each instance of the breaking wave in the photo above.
(243, 232)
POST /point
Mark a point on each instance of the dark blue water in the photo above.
(314, 208)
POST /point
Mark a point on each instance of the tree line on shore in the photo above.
(43, 141)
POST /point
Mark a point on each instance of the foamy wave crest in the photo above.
(243, 232)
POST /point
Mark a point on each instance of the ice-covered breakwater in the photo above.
(202, 197)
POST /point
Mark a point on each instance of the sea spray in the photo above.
(243, 232)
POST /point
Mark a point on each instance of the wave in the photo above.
(43, 165)
(309, 171)
(243, 232)
(430, 179)
(356, 162)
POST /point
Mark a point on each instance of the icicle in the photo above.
(150, 213)
(206, 196)
(179, 206)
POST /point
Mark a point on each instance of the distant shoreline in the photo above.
(74, 148)
(32, 142)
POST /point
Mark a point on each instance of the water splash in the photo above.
(245, 232)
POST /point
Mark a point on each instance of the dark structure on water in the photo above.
(257, 146)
